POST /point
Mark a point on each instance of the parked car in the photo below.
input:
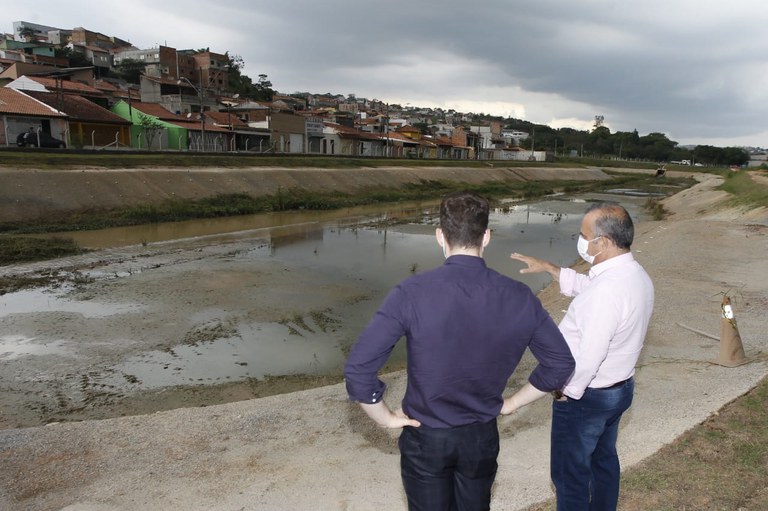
(30, 139)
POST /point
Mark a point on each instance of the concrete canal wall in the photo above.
(29, 194)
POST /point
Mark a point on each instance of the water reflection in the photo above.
(211, 230)
(370, 249)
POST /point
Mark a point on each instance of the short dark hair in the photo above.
(614, 223)
(464, 219)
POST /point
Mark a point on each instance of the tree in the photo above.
(75, 57)
(238, 82)
(599, 142)
(263, 89)
(243, 84)
(657, 147)
(131, 70)
(425, 128)
(27, 33)
(720, 156)
(151, 128)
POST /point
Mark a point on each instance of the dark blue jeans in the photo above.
(450, 469)
(584, 463)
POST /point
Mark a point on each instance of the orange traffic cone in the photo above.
(731, 349)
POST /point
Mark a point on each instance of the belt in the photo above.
(617, 384)
(558, 394)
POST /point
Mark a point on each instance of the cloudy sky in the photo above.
(694, 70)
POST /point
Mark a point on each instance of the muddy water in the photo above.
(201, 304)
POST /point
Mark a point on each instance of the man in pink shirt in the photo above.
(605, 327)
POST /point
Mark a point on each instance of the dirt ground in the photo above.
(314, 450)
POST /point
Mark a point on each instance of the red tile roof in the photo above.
(163, 114)
(14, 102)
(104, 85)
(158, 111)
(347, 132)
(225, 119)
(78, 108)
(66, 86)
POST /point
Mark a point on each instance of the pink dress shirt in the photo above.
(606, 323)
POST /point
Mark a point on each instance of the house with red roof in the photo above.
(89, 125)
(243, 136)
(344, 140)
(21, 113)
(155, 127)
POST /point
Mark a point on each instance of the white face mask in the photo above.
(583, 245)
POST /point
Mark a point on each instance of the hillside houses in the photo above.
(182, 102)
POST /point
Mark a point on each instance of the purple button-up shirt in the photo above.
(466, 328)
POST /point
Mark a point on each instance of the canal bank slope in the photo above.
(314, 450)
(28, 194)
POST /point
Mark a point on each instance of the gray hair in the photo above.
(613, 222)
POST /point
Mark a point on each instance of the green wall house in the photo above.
(152, 126)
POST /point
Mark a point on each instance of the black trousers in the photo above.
(449, 469)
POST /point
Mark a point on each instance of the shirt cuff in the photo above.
(369, 397)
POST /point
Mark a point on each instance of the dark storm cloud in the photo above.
(694, 70)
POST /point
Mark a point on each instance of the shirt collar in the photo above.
(465, 260)
(610, 263)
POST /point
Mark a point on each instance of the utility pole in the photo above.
(200, 98)
(202, 108)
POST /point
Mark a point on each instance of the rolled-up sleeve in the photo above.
(372, 349)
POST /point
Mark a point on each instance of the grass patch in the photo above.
(655, 209)
(52, 159)
(42, 159)
(297, 199)
(16, 249)
(720, 464)
(746, 192)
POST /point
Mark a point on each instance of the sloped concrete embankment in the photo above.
(32, 194)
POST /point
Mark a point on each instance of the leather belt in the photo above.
(558, 394)
(617, 384)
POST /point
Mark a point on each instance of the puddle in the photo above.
(264, 299)
(255, 351)
(635, 193)
(35, 301)
(17, 346)
(342, 252)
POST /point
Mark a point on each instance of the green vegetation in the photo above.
(746, 192)
(41, 159)
(628, 145)
(295, 199)
(655, 209)
(16, 249)
(46, 159)
(720, 464)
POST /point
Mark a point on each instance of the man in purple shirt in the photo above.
(466, 328)
(605, 327)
